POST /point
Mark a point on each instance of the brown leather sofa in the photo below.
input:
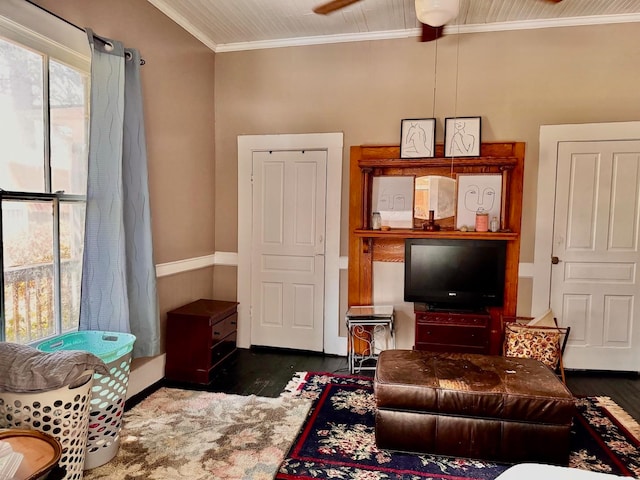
(468, 405)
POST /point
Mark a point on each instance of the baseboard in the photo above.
(145, 372)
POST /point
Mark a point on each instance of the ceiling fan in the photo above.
(432, 14)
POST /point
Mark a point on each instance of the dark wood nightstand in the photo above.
(200, 335)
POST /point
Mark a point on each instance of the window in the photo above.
(43, 172)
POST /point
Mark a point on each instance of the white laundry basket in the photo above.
(62, 413)
(109, 391)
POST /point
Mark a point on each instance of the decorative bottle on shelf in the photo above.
(494, 226)
(482, 220)
(376, 221)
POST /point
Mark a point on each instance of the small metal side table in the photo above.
(379, 319)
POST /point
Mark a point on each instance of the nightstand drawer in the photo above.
(223, 328)
(223, 348)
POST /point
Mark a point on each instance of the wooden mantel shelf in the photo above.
(503, 162)
(417, 233)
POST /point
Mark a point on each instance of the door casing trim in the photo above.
(550, 138)
(332, 143)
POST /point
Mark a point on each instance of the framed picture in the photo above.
(475, 192)
(462, 137)
(417, 138)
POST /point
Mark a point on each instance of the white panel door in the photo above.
(287, 270)
(594, 285)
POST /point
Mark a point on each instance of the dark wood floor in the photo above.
(265, 372)
(623, 388)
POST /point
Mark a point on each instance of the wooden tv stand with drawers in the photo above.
(452, 331)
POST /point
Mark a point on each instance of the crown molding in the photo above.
(317, 40)
(165, 8)
(546, 23)
(415, 32)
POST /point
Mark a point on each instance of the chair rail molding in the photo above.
(195, 263)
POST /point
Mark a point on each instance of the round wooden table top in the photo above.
(41, 451)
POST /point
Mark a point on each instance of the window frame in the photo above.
(33, 28)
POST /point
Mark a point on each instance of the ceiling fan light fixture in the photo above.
(437, 12)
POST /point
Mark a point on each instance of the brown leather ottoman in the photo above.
(469, 405)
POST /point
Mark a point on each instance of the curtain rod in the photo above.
(142, 60)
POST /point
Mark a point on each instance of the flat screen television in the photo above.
(454, 274)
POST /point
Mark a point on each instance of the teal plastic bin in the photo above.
(108, 393)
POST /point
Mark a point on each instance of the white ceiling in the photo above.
(229, 25)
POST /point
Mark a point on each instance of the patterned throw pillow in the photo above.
(540, 343)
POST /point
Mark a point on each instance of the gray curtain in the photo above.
(118, 278)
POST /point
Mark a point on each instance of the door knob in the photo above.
(555, 260)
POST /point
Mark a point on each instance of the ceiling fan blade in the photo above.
(332, 6)
(430, 33)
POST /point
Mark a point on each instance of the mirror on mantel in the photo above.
(435, 193)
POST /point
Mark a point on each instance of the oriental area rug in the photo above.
(337, 441)
(182, 434)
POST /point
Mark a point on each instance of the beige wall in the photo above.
(178, 89)
(177, 82)
(515, 80)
